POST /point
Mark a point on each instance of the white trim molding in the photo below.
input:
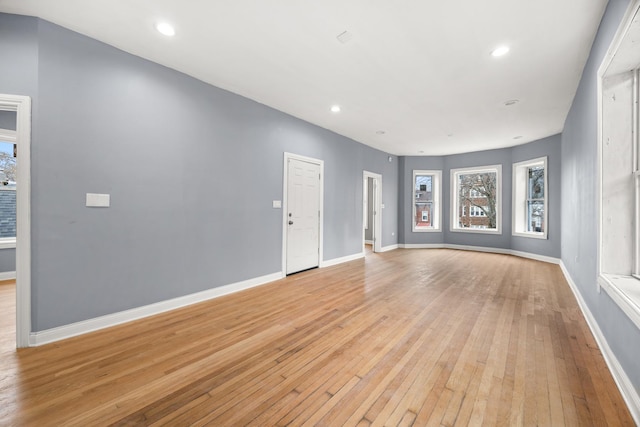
(628, 391)
(421, 245)
(389, 248)
(7, 275)
(543, 258)
(625, 292)
(8, 243)
(102, 322)
(8, 135)
(336, 261)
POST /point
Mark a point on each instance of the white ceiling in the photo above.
(419, 70)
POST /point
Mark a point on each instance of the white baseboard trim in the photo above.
(369, 242)
(90, 325)
(629, 393)
(8, 275)
(479, 249)
(421, 246)
(340, 260)
(537, 257)
(521, 254)
(388, 248)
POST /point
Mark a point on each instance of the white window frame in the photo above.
(618, 274)
(520, 198)
(497, 169)
(436, 211)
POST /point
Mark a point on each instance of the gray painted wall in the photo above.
(139, 131)
(7, 260)
(8, 120)
(19, 48)
(579, 186)
(549, 147)
(19, 76)
(406, 207)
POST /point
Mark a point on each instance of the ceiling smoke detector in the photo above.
(344, 37)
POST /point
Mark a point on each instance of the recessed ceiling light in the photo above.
(380, 132)
(166, 29)
(335, 109)
(511, 102)
(500, 51)
(421, 151)
(517, 137)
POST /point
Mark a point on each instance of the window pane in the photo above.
(536, 182)
(7, 190)
(423, 188)
(477, 197)
(535, 216)
(423, 214)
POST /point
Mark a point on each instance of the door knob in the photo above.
(290, 222)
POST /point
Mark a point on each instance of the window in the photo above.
(426, 200)
(530, 198)
(618, 205)
(478, 211)
(476, 199)
(7, 183)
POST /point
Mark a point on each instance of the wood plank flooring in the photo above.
(408, 337)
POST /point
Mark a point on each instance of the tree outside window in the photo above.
(476, 199)
(535, 199)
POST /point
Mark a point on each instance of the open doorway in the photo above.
(371, 212)
(8, 139)
(15, 251)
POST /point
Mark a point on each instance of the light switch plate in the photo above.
(98, 200)
(277, 204)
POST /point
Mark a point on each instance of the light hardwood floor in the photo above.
(408, 337)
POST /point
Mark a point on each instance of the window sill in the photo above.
(475, 230)
(531, 235)
(8, 243)
(625, 291)
(427, 230)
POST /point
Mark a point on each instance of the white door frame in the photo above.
(377, 209)
(22, 106)
(285, 206)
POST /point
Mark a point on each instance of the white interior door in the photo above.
(303, 215)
